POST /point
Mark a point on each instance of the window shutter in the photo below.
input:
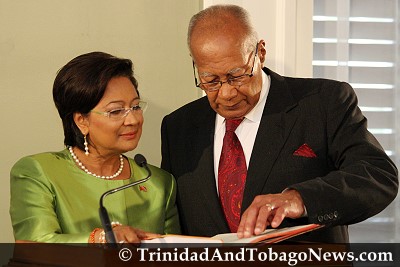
(357, 41)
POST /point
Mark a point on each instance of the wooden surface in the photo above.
(30, 254)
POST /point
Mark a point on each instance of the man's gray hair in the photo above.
(218, 13)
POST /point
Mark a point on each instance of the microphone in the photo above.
(105, 219)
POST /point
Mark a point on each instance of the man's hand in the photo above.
(268, 210)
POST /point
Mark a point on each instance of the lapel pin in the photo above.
(142, 188)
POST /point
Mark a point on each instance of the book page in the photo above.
(273, 234)
(233, 238)
(178, 239)
(268, 236)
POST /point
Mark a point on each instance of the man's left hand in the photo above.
(270, 210)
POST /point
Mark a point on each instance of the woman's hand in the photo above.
(128, 234)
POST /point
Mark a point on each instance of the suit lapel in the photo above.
(275, 126)
(204, 172)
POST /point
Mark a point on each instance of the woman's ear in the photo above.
(82, 123)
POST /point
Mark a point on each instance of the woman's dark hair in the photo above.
(80, 85)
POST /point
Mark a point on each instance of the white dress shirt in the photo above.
(246, 131)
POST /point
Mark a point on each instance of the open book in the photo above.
(268, 236)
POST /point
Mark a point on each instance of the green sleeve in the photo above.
(172, 225)
(32, 206)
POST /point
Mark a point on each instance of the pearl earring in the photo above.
(85, 143)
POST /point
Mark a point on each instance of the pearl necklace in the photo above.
(121, 166)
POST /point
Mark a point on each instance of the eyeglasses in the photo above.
(232, 80)
(120, 113)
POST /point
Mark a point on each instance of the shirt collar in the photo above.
(256, 113)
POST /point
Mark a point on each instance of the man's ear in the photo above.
(82, 123)
(262, 52)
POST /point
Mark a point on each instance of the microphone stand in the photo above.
(105, 219)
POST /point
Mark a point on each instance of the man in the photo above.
(301, 153)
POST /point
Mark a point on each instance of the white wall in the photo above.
(286, 26)
(38, 37)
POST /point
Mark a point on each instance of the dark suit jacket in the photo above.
(350, 180)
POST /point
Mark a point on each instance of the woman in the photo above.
(55, 195)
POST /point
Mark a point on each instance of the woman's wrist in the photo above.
(93, 235)
(102, 237)
(98, 235)
(115, 224)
